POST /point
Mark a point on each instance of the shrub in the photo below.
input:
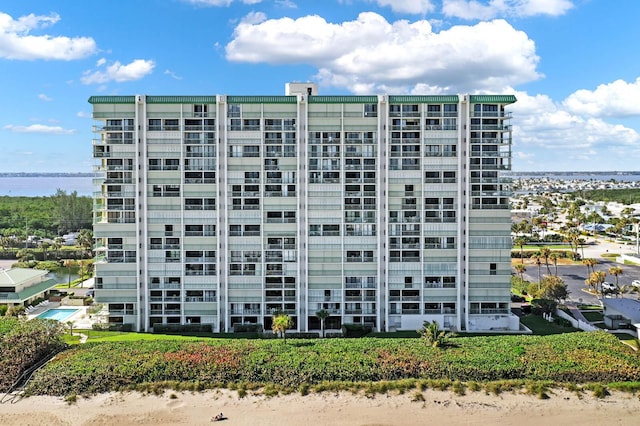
(355, 330)
(248, 328)
(182, 328)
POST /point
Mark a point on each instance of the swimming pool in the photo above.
(58, 314)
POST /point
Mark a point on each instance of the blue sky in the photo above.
(572, 64)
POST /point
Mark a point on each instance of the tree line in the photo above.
(45, 217)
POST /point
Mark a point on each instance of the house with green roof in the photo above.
(19, 286)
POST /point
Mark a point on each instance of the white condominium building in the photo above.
(222, 210)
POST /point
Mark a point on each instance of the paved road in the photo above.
(574, 275)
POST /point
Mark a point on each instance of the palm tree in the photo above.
(554, 258)
(57, 245)
(280, 325)
(537, 258)
(68, 263)
(590, 263)
(85, 240)
(615, 271)
(322, 315)
(520, 270)
(521, 242)
(597, 278)
(573, 236)
(45, 246)
(431, 332)
(81, 263)
(545, 252)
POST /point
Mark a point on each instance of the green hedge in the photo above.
(111, 366)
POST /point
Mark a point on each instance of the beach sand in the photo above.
(335, 409)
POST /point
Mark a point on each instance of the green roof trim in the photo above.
(394, 99)
(343, 99)
(423, 99)
(112, 99)
(28, 292)
(498, 99)
(262, 99)
(181, 99)
(153, 99)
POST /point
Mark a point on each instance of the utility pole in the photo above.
(638, 238)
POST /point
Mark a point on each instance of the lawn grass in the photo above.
(590, 307)
(71, 340)
(541, 327)
(118, 336)
(594, 316)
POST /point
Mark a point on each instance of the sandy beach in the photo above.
(446, 408)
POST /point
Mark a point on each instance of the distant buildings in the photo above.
(381, 210)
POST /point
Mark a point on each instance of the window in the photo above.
(233, 110)
(235, 230)
(370, 110)
(450, 110)
(200, 110)
(171, 124)
(155, 164)
(172, 164)
(155, 124)
(315, 230)
(449, 177)
(251, 151)
(492, 269)
(252, 177)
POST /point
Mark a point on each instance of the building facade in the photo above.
(382, 210)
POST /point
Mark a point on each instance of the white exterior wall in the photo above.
(386, 210)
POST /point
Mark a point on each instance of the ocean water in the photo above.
(44, 186)
(602, 176)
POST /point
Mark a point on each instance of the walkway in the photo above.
(576, 313)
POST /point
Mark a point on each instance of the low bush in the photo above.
(339, 364)
(182, 328)
(356, 330)
(248, 328)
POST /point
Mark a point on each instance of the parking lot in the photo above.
(575, 275)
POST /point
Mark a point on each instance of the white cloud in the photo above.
(44, 97)
(16, 42)
(418, 7)
(616, 99)
(84, 114)
(172, 75)
(39, 128)
(483, 9)
(254, 18)
(118, 72)
(562, 140)
(374, 54)
(286, 4)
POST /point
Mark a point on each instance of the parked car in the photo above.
(635, 283)
(608, 287)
